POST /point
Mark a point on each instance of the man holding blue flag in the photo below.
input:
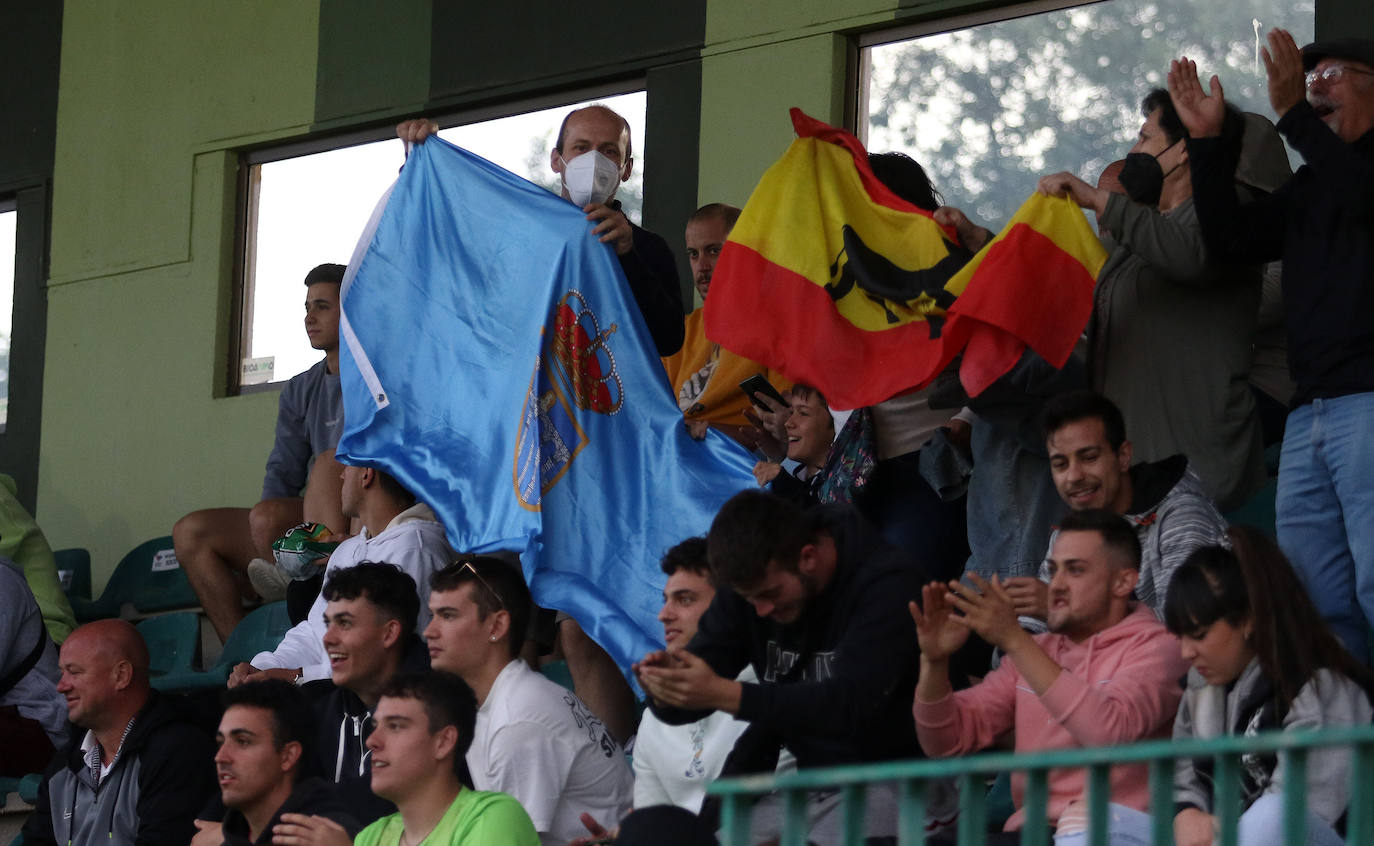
(592, 156)
(500, 364)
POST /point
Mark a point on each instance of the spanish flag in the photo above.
(835, 281)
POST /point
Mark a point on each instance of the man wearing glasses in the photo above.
(534, 739)
(1321, 223)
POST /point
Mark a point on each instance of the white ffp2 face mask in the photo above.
(590, 178)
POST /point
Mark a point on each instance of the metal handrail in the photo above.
(970, 772)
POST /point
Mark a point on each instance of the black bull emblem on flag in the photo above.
(884, 282)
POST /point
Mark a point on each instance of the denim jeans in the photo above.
(1125, 827)
(1262, 823)
(1325, 509)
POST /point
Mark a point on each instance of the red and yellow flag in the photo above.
(835, 281)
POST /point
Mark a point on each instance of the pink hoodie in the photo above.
(1119, 686)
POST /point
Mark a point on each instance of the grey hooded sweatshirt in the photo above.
(1246, 707)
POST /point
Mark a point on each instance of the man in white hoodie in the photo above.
(410, 538)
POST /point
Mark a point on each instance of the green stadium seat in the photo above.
(74, 571)
(1258, 511)
(557, 671)
(28, 787)
(147, 580)
(261, 631)
(173, 641)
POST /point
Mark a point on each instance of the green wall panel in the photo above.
(374, 59)
(745, 127)
(142, 87)
(480, 50)
(151, 97)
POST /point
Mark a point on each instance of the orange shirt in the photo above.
(706, 377)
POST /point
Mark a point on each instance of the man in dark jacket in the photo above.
(1320, 224)
(141, 769)
(266, 738)
(370, 637)
(816, 603)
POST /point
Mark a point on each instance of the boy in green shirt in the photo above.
(424, 724)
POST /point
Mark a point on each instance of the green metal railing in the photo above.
(972, 772)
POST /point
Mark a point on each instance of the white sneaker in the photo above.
(268, 579)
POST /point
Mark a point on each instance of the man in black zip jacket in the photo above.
(369, 637)
(264, 766)
(816, 603)
(141, 769)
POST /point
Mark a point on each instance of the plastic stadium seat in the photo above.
(557, 671)
(1258, 511)
(173, 641)
(261, 631)
(25, 787)
(74, 571)
(147, 580)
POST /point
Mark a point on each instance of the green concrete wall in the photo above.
(150, 98)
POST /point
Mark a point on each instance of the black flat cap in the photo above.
(1357, 49)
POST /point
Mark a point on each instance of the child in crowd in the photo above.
(809, 431)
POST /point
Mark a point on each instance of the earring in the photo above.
(493, 638)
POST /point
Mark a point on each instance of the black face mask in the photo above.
(1143, 178)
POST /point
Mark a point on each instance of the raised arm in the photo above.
(1202, 113)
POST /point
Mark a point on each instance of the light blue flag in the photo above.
(495, 362)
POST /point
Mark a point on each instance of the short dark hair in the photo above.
(625, 124)
(448, 701)
(907, 179)
(499, 585)
(690, 555)
(1073, 406)
(1253, 580)
(325, 273)
(1117, 534)
(1169, 121)
(386, 586)
(393, 488)
(752, 528)
(727, 213)
(805, 392)
(293, 720)
(1232, 123)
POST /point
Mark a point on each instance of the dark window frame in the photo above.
(250, 160)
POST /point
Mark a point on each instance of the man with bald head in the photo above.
(592, 156)
(141, 769)
(1320, 224)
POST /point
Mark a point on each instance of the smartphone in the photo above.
(757, 385)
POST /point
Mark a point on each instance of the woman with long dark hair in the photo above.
(1262, 659)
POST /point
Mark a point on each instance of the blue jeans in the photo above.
(1262, 823)
(1325, 509)
(1125, 827)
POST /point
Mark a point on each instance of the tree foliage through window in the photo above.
(989, 109)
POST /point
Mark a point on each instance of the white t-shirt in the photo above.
(673, 764)
(538, 742)
(414, 541)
